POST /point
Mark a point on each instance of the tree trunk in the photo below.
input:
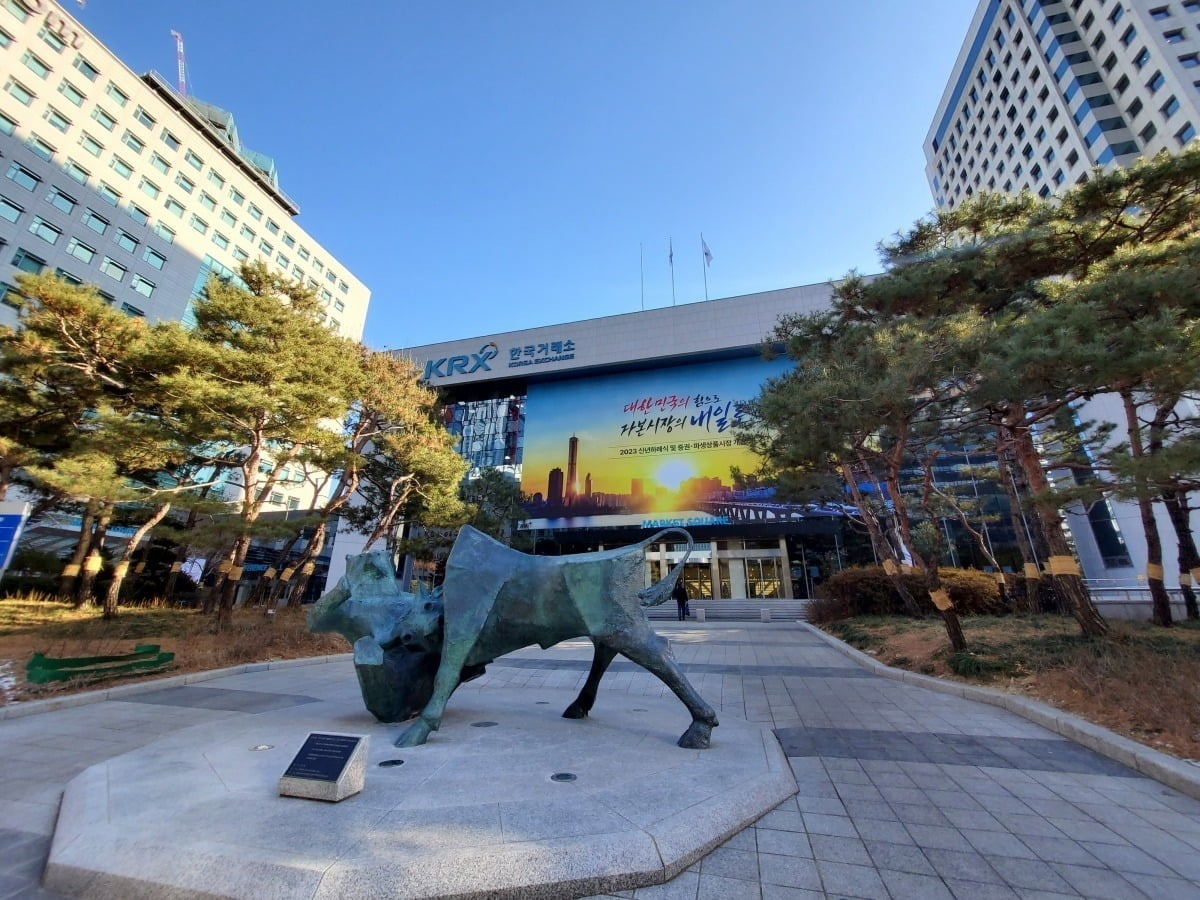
(122, 565)
(70, 572)
(1066, 575)
(1031, 573)
(1160, 601)
(230, 580)
(1189, 558)
(306, 564)
(93, 562)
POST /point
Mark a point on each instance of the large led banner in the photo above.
(641, 449)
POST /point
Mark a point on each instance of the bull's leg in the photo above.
(655, 656)
(447, 679)
(583, 703)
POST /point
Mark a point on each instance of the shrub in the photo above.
(867, 591)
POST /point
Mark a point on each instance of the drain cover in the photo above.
(562, 776)
(390, 763)
(483, 724)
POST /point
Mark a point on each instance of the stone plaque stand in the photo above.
(328, 767)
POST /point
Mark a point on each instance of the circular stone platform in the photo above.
(475, 812)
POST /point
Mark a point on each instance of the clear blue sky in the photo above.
(486, 166)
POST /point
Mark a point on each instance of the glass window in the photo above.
(339, 305)
(27, 262)
(1128, 36)
(237, 196)
(345, 288)
(216, 179)
(113, 269)
(57, 120)
(288, 240)
(184, 182)
(132, 311)
(117, 95)
(22, 176)
(240, 255)
(90, 144)
(98, 224)
(283, 261)
(255, 212)
(40, 147)
(138, 214)
(126, 241)
(248, 233)
(86, 69)
(208, 202)
(108, 194)
(198, 224)
(165, 232)
(149, 188)
(159, 163)
(1156, 81)
(144, 117)
(1170, 107)
(43, 229)
(272, 227)
(154, 258)
(19, 92)
(1159, 13)
(67, 276)
(303, 253)
(5, 38)
(106, 121)
(76, 171)
(121, 167)
(228, 218)
(131, 140)
(265, 247)
(143, 286)
(1174, 36)
(35, 65)
(220, 240)
(72, 93)
(1185, 134)
(170, 140)
(7, 125)
(1189, 60)
(10, 211)
(16, 9)
(174, 207)
(1148, 133)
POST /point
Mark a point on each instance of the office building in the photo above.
(120, 180)
(1043, 90)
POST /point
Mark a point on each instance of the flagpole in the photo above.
(704, 264)
(642, 270)
(671, 263)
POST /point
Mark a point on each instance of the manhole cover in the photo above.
(562, 776)
(390, 763)
(483, 724)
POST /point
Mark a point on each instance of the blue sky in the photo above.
(485, 166)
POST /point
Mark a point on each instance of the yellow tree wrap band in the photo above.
(235, 573)
(71, 570)
(140, 568)
(1063, 565)
(308, 568)
(1032, 571)
(287, 574)
(1000, 579)
(177, 566)
(269, 574)
(120, 569)
(1154, 571)
(224, 567)
(940, 599)
(93, 564)
(889, 566)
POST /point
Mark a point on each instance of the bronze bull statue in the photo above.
(495, 600)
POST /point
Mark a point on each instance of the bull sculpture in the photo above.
(495, 600)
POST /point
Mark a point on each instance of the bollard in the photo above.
(765, 614)
(699, 614)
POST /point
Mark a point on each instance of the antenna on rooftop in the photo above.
(179, 60)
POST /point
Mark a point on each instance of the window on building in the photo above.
(103, 119)
(86, 69)
(220, 240)
(214, 178)
(96, 223)
(76, 171)
(121, 167)
(132, 311)
(113, 269)
(193, 160)
(28, 262)
(57, 120)
(1170, 107)
(10, 211)
(154, 258)
(289, 241)
(228, 218)
(126, 241)
(304, 254)
(115, 94)
(1129, 34)
(51, 40)
(240, 255)
(90, 144)
(170, 140)
(45, 230)
(276, 498)
(165, 232)
(130, 140)
(239, 198)
(40, 147)
(68, 277)
(7, 125)
(255, 212)
(73, 94)
(1122, 85)
(248, 233)
(144, 117)
(1134, 108)
(160, 163)
(339, 305)
(174, 207)
(1185, 134)
(184, 182)
(266, 248)
(22, 176)
(1147, 134)
(138, 214)
(198, 224)
(109, 194)
(1156, 81)
(1115, 16)
(1189, 60)
(19, 92)
(149, 188)
(35, 65)
(1174, 36)
(143, 286)
(208, 202)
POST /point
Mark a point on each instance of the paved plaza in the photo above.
(902, 792)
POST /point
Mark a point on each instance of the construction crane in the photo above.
(179, 61)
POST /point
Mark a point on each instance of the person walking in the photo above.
(679, 592)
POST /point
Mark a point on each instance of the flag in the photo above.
(670, 253)
(706, 251)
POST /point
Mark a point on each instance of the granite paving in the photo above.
(903, 792)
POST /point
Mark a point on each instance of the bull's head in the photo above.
(397, 635)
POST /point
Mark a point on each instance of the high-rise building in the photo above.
(572, 467)
(120, 180)
(1043, 90)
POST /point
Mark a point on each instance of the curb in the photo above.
(1168, 770)
(34, 707)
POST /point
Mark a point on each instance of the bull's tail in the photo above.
(658, 592)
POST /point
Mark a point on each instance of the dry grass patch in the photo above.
(1141, 681)
(29, 626)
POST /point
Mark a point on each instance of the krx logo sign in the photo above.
(462, 365)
